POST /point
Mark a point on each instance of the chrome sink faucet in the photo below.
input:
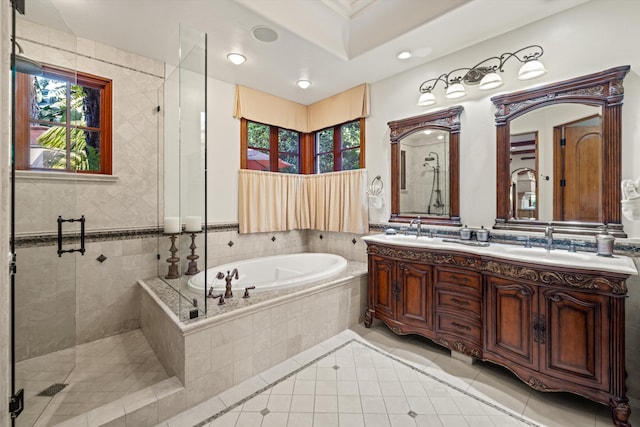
(418, 223)
(548, 234)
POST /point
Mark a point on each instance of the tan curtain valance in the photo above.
(271, 201)
(343, 107)
(273, 110)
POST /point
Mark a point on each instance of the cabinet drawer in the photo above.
(451, 297)
(457, 277)
(458, 325)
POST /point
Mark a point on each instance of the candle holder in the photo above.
(193, 263)
(173, 259)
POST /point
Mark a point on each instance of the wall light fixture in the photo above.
(484, 74)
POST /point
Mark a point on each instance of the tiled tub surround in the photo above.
(213, 354)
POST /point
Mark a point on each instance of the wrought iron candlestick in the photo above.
(173, 259)
(193, 263)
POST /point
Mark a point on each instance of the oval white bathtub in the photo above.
(273, 272)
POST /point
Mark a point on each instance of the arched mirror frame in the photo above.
(447, 120)
(599, 89)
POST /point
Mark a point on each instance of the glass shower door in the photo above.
(46, 227)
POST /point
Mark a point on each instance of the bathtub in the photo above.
(273, 272)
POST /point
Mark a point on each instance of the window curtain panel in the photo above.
(271, 201)
(262, 107)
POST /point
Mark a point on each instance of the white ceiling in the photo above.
(337, 44)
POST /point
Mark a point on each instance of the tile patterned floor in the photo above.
(373, 378)
(96, 373)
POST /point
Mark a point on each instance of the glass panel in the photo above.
(325, 163)
(183, 243)
(324, 141)
(350, 133)
(85, 107)
(45, 281)
(288, 141)
(351, 159)
(288, 163)
(258, 160)
(258, 135)
(49, 99)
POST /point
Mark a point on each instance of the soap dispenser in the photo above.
(483, 234)
(465, 233)
(604, 243)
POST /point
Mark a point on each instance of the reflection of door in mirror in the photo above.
(578, 170)
(425, 173)
(561, 142)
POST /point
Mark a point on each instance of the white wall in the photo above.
(576, 42)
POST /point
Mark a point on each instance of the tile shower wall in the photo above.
(100, 299)
(61, 302)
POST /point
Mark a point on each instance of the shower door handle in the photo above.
(81, 220)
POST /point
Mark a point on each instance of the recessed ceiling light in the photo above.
(236, 58)
(405, 54)
(303, 84)
(264, 34)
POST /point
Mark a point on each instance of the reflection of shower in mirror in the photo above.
(435, 184)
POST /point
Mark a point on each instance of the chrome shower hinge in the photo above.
(13, 266)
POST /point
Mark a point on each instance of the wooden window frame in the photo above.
(273, 145)
(23, 119)
(337, 145)
(307, 151)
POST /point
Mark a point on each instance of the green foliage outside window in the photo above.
(49, 108)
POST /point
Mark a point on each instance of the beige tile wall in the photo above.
(75, 299)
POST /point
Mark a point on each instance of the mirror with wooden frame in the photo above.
(425, 168)
(559, 155)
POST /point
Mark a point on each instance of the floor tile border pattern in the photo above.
(231, 407)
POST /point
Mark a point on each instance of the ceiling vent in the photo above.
(264, 34)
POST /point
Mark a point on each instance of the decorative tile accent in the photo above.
(265, 411)
(357, 342)
(230, 243)
(336, 367)
(321, 237)
(354, 241)
(101, 258)
(273, 238)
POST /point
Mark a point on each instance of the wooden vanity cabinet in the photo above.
(554, 338)
(557, 329)
(401, 294)
(458, 309)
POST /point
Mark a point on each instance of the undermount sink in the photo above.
(539, 253)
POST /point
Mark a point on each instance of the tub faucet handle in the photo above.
(220, 298)
(220, 275)
(246, 291)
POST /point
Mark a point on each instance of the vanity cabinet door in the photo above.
(512, 321)
(415, 296)
(577, 337)
(381, 287)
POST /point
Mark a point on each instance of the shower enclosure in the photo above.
(183, 211)
(81, 236)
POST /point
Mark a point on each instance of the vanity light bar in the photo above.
(485, 74)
